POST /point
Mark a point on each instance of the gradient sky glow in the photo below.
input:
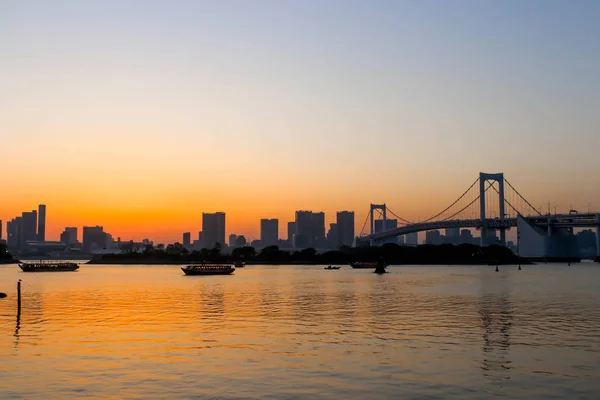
(140, 115)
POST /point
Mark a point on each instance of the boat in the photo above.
(208, 269)
(363, 265)
(332, 267)
(239, 264)
(48, 266)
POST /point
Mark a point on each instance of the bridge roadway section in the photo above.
(559, 220)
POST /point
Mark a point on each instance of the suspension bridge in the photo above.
(490, 205)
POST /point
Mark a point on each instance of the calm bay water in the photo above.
(302, 333)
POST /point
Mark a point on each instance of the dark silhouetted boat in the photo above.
(48, 266)
(208, 269)
(239, 264)
(332, 267)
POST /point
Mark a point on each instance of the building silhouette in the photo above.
(333, 238)
(1, 230)
(389, 225)
(269, 232)
(232, 239)
(41, 229)
(240, 241)
(412, 239)
(13, 233)
(291, 232)
(345, 228)
(28, 228)
(187, 240)
(310, 229)
(213, 229)
(434, 237)
(69, 236)
(94, 238)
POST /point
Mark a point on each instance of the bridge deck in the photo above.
(561, 220)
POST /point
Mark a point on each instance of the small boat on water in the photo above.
(363, 265)
(48, 266)
(208, 269)
(332, 267)
(239, 264)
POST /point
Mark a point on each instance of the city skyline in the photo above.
(250, 229)
(251, 113)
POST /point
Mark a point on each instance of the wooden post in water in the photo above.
(19, 297)
(497, 268)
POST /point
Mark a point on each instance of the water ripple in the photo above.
(300, 332)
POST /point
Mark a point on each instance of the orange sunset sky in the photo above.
(141, 116)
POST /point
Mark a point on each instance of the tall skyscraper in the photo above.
(319, 229)
(304, 230)
(41, 232)
(94, 238)
(291, 232)
(333, 239)
(13, 233)
(28, 228)
(213, 229)
(269, 232)
(187, 239)
(345, 228)
(0, 230)
(69, 236)
(310, 229)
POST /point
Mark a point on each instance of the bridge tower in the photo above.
(383, 210)
(483, 179)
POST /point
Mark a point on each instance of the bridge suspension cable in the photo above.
(509, 203)
(365, 224)
(490, 185)
(451, 205)
(399, 217)
(522, 198)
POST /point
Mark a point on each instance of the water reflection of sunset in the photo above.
(130, 330)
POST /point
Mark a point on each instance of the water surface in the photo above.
(300, 332)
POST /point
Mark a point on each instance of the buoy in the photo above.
(2, 295)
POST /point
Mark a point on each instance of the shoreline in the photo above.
(249, 264)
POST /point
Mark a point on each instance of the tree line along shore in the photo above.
(465, 254)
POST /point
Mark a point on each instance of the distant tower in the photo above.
(28, 228)
(269, 232)
(41, 235)
(345, 228)
(213, 229)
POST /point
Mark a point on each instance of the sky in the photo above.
(141, 115)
